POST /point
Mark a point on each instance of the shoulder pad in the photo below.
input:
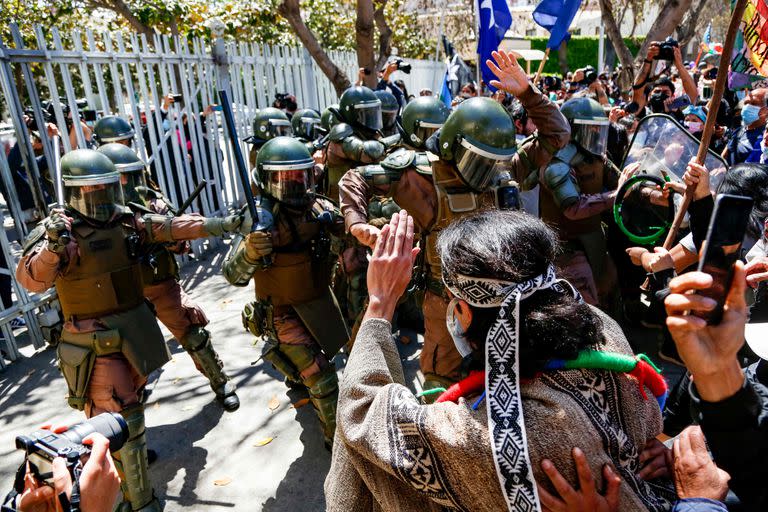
(556, 169)
(399, 159)
(379, 175)
(340, 132)
(566, 154)
(33, 238)
(422, 164)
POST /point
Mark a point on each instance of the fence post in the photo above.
(310, 94)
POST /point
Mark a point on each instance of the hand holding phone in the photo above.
(722, 248)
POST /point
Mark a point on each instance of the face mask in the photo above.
(166, 125)
(750, 114)
(656, 102)
(455, 330)
(694, 127)
(740, 95)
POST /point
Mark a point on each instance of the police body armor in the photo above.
(105, 283)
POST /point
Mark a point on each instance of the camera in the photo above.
(666, 49)
(401, 65)
(552, 83)
(42, 446)
(285, 101)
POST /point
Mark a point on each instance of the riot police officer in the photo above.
(290, 263)
(160, 275)
(466, 150)
(268, 123)
(389, 110)
(357, 140)
(113, 129)
(305, 125)
(111, 341)
(578, 185)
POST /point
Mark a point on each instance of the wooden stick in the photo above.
(541, 67)
(709, 126)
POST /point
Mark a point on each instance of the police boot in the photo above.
(131, 464)
(434, 385)
(324, 394)
(197, 342)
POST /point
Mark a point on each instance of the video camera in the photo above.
(666, 48)
(401, 65)
(552, 83)
(285, 101)
(42, 446)
(49, 113)
(590, 76)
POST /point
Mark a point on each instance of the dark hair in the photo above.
(514, 246)
(751, 180)
(664, 81)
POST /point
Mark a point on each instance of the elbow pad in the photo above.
(237, 269)
(561, 184)
(152, 219)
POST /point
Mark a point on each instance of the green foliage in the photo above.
(407, 37)
(582, 51)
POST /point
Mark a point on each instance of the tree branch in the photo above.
(614, 34)
(385, 34)
(291, 11)
(364, 40)
(669, 18)
(119, 7)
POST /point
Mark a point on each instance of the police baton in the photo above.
(186, 204)
(709, 126)
(64, 237)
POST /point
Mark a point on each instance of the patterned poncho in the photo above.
(392, 453)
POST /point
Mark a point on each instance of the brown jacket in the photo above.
(415, 192)
(391, 453)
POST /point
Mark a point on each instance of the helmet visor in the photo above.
(291, 183)
(368, 114)
(97, 201)
(309, 127)
(278, 128)
(477, 165)
(388, 118)
(591, 134)
(423, 131)
(130, 181)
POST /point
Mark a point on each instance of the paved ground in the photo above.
(199, 445)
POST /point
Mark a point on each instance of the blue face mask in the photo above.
(749, 114)
(741, 94)
(166, 125)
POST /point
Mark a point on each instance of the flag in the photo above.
(749, 63)
(556, 16)
(495, 20)
(445, 92)
(708, 36)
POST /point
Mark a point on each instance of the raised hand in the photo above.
(511, 77)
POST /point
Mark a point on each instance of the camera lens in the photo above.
(109, 424)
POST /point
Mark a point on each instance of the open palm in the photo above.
(511, 77)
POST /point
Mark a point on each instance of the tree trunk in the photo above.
(121, 9)
(385, 34)
(364, 31)
(687, 29)
(622, 52)
(291, 11)
(562, 58)
(669, 18)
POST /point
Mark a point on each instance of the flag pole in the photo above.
(477, 21)
(541, 66)
(709, 126)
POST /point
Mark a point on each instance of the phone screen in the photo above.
(89, 115)
(722, 248)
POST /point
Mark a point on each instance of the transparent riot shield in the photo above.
(663, 147)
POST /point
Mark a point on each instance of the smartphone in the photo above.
(722, 248)
(177, 97)
(217, 108)
(89, 115)
(680, 102)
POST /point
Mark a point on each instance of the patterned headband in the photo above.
(506, 425)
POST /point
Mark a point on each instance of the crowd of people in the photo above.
(492, 225)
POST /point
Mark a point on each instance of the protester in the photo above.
(493, 284)
(744, 142)
(662, 91)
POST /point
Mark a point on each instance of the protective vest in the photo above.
(301, 262)
(106, 278)
(454, 201)
(159, 265)
(575, 175)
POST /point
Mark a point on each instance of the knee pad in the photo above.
(195, 338)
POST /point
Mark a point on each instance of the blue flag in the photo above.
(445, 93)
(556, 16)
(495, 20)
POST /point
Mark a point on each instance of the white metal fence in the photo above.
(69, 76)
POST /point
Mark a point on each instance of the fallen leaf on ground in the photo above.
(188, 408)
(274, 403)
(156, 405)
(263, 442)
(177, 380)
(300, 403)
(222, 481)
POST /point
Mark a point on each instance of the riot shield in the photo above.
(663, 148)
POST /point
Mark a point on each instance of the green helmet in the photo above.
(329, 119)
(91, 184)
(389, 109)
(589, 124)
(360, 107)
(421, 118)
(287, 171)
(305, 123)
(112, 129)
(131, 169)
(269, 123)
(476, 136)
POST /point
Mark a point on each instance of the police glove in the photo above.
(258, 245)
(217, 226)
(57, 230)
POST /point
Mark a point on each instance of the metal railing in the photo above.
(129, 75)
